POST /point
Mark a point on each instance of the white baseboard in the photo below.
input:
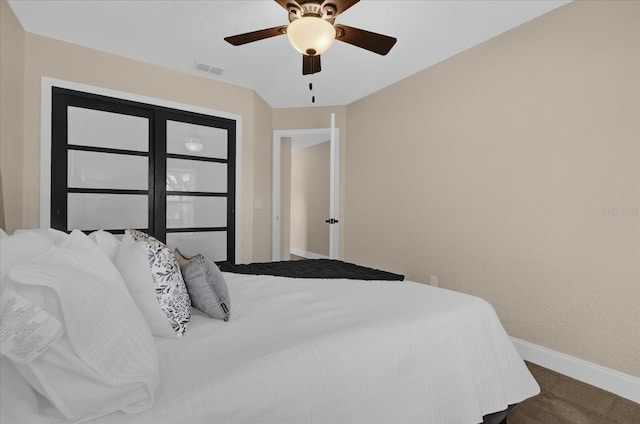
(624, 385)
(305, 254)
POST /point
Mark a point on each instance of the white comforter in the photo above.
(338, 351)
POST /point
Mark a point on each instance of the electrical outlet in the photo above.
(433, 280)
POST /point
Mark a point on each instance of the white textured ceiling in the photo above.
(179, 33)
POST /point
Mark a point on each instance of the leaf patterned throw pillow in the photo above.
(170, 288)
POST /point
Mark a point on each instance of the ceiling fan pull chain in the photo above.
(313, 97)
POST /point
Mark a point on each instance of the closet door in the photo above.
(200, 184)
(101, 165)
(118, 164)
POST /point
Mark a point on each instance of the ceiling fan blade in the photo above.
(284, 3)
(240, 39)
(310, 64)
(342, 5)
(367, 40)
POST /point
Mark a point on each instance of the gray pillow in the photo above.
(206, 286)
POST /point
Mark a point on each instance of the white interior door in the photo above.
(334, 191)
(330, 222)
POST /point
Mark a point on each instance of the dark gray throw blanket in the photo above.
(311, 268)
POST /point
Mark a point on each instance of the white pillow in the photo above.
(133, 264)
(107, 242)
(17, 398)
(106, 359)
(20, 247)
(56, 237)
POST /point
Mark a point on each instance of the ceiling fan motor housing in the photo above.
(312, 8)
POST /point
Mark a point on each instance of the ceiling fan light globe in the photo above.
(193, 145)
(310, 35)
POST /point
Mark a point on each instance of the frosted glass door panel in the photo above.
(196, 211)
(212, 245)
(106, 170)
(89, 211)
(88, 127)
(196, 140)
(194, 175)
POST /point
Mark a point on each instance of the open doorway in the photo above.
(308, 200)
(299, 221)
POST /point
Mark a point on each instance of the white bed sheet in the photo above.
(338, 351)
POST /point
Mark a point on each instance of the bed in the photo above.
(293, 350)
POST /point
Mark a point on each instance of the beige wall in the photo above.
(51, 58)
(320, 117)
(310, 198)
(12, 52)
(494, 170)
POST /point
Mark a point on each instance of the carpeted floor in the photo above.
(564, 400)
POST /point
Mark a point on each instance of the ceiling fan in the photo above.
(311, 31)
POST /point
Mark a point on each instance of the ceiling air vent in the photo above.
(203, 67)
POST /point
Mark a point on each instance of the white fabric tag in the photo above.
(26, 331)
